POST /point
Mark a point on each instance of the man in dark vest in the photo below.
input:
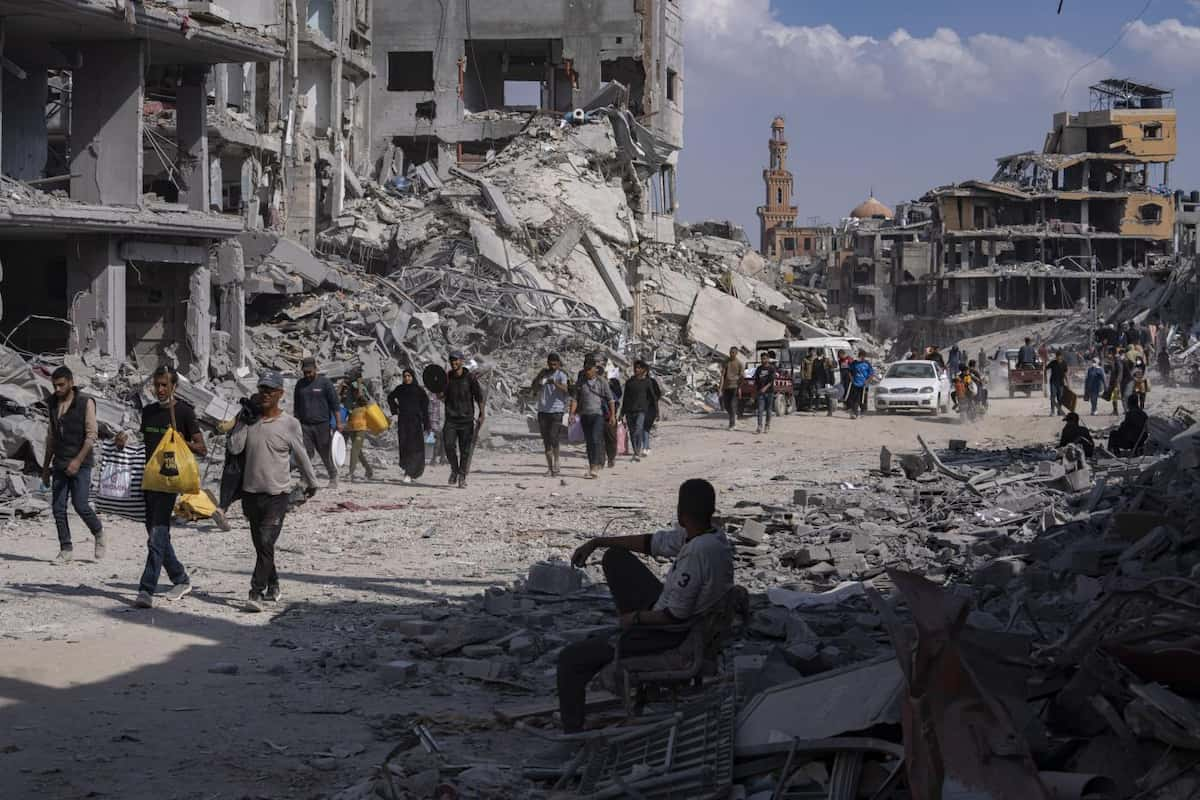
(70, 437)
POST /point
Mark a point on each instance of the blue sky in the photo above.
(905, 97)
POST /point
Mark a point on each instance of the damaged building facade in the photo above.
(138, 135)
(457, 80)
(106, 221)
(1053, 232)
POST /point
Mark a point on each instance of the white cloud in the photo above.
(1169, 44)
(744, 40)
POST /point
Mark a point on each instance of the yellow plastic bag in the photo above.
(377, 421)
(194, 506)
(172, 468)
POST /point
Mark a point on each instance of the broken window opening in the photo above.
(1152, 130)
(427, 110)
(410, 71)
(516, 74)
(672, 85)
(1150, 214)
(627, 72)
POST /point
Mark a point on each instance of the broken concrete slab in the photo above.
(494, 197)
(720, 321)
(751, 290)
(500, 252)
(610, 273)
(398, 672)
(834, 703)
(671, 293)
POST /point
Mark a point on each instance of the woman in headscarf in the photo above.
(410, 406)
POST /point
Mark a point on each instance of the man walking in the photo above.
(636, 402)
(461, 396)
(315, 402)
(764, 391)
(70, 438)
(823, 372)
(551, 388)
(731, 378)
(807, 385)
(1057, 370)
(157, 419)
(593, 403)
(268, 442)
(860, 373)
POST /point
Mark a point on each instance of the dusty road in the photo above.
(98, 699)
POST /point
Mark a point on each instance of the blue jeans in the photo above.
(76, 487)
(1055, 397)
(765, 403)
(639, 437)
(593, 434)
(160, 552)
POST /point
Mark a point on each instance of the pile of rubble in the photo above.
(1017, 623)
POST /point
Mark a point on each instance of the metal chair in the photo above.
(685, 665)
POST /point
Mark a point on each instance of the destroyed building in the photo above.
(459, 80)
(106, 223)
(876, 248)
(1058, 230)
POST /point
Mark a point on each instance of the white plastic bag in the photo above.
(338, 448)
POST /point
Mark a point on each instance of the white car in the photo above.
(913, 386)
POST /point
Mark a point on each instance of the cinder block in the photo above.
(554, 577)
(498, 601)
(753, 531)
(411, 627)
(395, 672)
(481, 669)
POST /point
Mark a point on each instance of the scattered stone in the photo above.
(398, 671)
(554, 577)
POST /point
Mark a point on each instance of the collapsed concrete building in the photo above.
(458, 81)
(116, 260)
(1051, 233)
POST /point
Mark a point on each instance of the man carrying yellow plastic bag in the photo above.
(173, 439)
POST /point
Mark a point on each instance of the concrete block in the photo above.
(753, 531)
(396, 672)
(479, 669)
(522, 646)
(822, 570)
(554, 577)
(1050, 469)
(482, 650)
(853, 565)
(806, 556)
(800, 497)
(854, 514)
(862, 542)
(498, 601)
(411, 627)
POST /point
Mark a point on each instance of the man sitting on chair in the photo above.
(699, 578)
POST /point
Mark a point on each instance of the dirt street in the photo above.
(99, 699)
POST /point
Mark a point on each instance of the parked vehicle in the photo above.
(913, 386)
(788, 355)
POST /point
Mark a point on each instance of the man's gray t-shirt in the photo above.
(594, 397)
(551, 399)
(700, 575)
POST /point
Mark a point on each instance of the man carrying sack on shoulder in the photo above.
(173, 439)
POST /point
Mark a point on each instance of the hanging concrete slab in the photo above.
(750, 290)
(610, 273)
(496, 250)
(720, 321)
(671, 293)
